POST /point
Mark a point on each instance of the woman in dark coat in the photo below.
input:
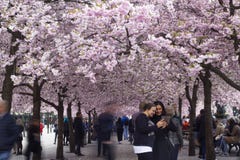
(79, 133)
(119, 127)
(162, 147)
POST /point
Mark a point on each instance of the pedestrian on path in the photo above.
(119, 127)
(79, 133)
(105, 122)
(8, 131)
(18, 144)
(55, 130)
(34, 144)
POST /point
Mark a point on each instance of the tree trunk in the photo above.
(36, 105)
(71, 133)
(8, 85)
(193, 104)
(210, 153)
(60, 128)
(89, 122)
(7, 90)
(180, 106)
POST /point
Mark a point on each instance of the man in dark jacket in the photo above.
(8, 131)
(79, 132)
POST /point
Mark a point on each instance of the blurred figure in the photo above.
(125, 122)
(56, 131)
(119, 127)
(176, 138)
(79, 133)
(200, 127)
(8, 131)
(65, 132)
(18, 144)
(131, 130)
(41, 127)
(105, 122)
(135, 115)
(34, 145)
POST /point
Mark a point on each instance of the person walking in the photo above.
(79, 133)
(56, 131)
(18, 143)
(131, 130)
(144, 132)
(125, 122)
(119, 127)
(34, 145)
(8, 131)
(65, 132)
(162, 148)
(200, 126)
(105, 122)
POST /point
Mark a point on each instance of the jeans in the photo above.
(223, 145)
(125, 132)
(5, 155)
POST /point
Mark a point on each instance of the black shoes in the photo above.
(80, 154)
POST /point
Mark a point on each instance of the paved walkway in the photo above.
(123, 151)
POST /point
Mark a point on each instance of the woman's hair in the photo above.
(148, 106)
(161, 104)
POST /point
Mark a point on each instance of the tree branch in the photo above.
(24, 84)
(188, 93)
(221, 75)
(26, 94)
(49, 103)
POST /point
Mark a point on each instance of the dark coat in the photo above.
(65, 128)
(79, 130)
(144, 131)
(105, 122)
(8, 132)
(33, 144)
(162, 147)
(119, 126)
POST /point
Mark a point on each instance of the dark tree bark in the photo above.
(180, 106)
(36, 99)
(60, 128)
(8, 86)
(193, 104)
(205, 78)
(71, 133)
(7, 90)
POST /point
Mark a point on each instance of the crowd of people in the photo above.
(225, 132)
(156, 133)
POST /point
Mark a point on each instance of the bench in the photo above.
(237, 146)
